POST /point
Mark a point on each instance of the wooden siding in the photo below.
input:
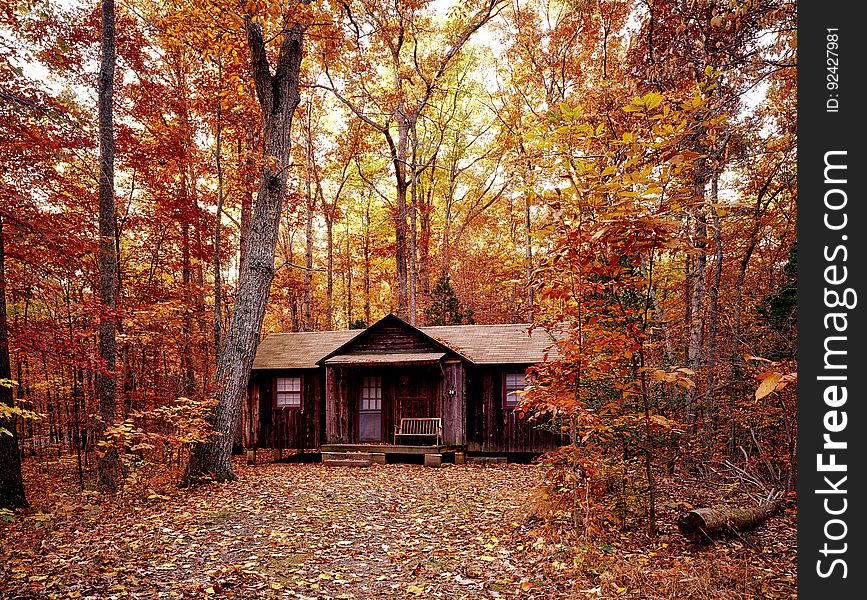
(391, 338)
(454, 403)
(284, 428)
(493, 428)
(250, 415)
(337, 406)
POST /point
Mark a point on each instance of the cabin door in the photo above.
(370, 409)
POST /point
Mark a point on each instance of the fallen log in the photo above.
(701, 523)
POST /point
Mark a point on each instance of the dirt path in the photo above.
(295, 531)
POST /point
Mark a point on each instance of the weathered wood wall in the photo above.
(250, 414)
(338, 406)
(284, 428)
(454, 402)
(391, 338)
(493, 428)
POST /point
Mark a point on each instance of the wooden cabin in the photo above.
(342, 390)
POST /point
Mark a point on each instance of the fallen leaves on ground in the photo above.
(391, 531)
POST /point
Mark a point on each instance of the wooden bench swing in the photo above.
(420, 427)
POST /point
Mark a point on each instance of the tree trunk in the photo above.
(367, 262)
(446, 247)
(278, 97)
(11, 484)
(190, 231)
(218, 283)
(108, 471)
(329, 273)
(188, 377)
(528, 238)
(400, 231)
(698, 290)
(424, 244)
(311, 207)
(248, 193)
(701, 523)
(713, 311)
(736, 360)
(348, 271)
(329, 213)
(413, 230)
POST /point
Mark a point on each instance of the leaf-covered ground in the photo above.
(390, 531)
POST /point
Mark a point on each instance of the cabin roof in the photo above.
(496, 344)
(480, 344)
(299, 350)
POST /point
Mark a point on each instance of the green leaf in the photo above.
(652, 100)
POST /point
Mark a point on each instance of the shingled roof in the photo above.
(301, 350)
(495, 344)
(482, 344)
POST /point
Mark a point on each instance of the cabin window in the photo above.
(288, 392)
(512, 384)
(371, 393)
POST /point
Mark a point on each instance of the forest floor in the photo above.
(385, 531)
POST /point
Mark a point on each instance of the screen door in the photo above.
(370, 409)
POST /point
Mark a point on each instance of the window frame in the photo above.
(299, 391)
(506, 391)
(370, 383)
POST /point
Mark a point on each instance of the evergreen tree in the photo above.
(445, 307)
(779, 310)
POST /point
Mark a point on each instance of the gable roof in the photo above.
(478, 344)
(393, 321)
(299, 350)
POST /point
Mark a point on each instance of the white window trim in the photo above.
(299, 391)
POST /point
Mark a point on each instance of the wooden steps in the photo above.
(350, 459)
(365, 459)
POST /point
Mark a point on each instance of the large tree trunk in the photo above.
(278, 97)
(108, 471)
(246, 215)
(701, 523)
(11, 484)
